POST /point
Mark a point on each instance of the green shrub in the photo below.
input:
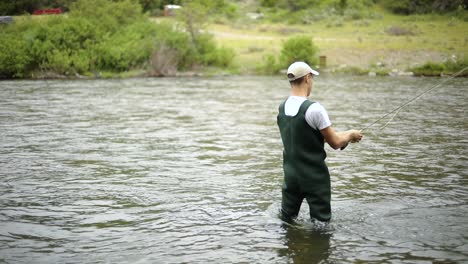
(14, 61)
(131, 47)
(222, 57)
(269, 65)
(58, 61)
(429, 69)
(454, 65)
(209, 54)
(108, 16)
(309, 11)
(18, 7)
(407, 7)
(101, 35)
(300, 48)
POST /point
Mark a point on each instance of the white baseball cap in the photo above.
(299, 69)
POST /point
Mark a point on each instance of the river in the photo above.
(188, 170)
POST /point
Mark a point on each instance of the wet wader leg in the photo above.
(319, 207)
(290, 204)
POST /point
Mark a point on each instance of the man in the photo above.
(305, 127)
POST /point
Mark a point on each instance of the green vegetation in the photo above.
(451, 66)
(153, 7)
(354, 36)
(300, 48)
(20, 7)
(101, 36)
(407, 7)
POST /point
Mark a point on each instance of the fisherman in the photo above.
(305, 127)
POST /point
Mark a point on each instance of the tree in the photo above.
(18, 7)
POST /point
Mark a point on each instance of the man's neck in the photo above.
(299, 91)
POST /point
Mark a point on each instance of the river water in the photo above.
(188, 170)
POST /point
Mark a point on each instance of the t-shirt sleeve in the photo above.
(317, 117)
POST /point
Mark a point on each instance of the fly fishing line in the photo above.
(396, 110)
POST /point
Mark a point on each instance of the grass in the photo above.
(355, 43)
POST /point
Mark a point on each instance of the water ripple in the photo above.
(189, 170)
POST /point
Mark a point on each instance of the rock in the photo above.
(372, 74)
(255, 16)
(393, 72)
(79, 76)
(405, 74)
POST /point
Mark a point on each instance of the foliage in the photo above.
(152, 5)
(298, 5)
(300, 48)
(269, 66)
(14, 61)
(451, 66)
(126, 50)
(108, 16)
(407, 7)
(311, 11)
(193, 16)
(429, 69)
(19, 7)
(100, 35)
(455, 64)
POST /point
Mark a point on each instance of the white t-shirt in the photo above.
(316, 115)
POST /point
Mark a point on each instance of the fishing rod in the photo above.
(396, 110)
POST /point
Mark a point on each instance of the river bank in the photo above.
(380, 44)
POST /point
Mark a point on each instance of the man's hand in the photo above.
(355, 135)
(340, 140)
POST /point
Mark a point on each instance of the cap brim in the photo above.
(315, 72)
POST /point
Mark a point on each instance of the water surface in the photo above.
(189, 171)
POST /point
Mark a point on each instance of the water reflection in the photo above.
(306, 244)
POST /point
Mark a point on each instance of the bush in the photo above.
(309, 11)
(269, 65)
(407, 7)
(429, 69)
(108, 16)
(221, 57)
(299, 48)
(14, 61)
(18, 7)
(454, 65)
(131, 47)
(451, 66)
(210, 54)
(101, 35)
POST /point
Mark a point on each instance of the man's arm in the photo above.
(338, 140)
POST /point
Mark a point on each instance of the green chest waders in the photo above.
(305, 172)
